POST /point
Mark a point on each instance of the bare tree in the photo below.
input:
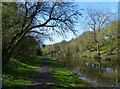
(59, 17)
(96, 19)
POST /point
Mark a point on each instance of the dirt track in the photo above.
(42, 77)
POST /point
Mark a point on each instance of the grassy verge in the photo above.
(64, 78)
(19, 73)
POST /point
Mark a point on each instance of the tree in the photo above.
(97, 19)
(28, 46)
(111, 36)
(59, 17)
(86, 41)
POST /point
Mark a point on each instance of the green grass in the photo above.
(63, 77)
(18, 73)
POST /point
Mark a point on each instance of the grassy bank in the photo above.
(64, 78)
(19, 73)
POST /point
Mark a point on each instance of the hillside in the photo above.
(85, 46)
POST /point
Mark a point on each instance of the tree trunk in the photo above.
(97, 46)
(8, 53)
(6, 57)
(98, 49)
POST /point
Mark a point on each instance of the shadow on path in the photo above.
(42, 78)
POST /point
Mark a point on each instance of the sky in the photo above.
(82, 5)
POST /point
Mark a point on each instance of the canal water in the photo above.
(104, 74)
(98, 76)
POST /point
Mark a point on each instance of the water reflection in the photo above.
(92, 71)
(97, 74)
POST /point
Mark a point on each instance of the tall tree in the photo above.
(97, 18)
(56, 16)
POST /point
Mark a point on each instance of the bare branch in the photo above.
(36, 32)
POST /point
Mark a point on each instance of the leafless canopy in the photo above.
(59, 17)
(97, 17)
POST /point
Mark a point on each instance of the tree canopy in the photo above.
(21, 18)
